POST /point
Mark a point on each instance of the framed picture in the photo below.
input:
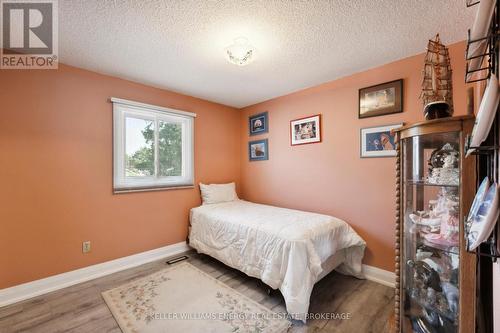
(382, 99)
(378, 141)
(305, 130)
(258, 124)
(258, 150)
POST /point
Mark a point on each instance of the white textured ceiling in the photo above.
(179, 44)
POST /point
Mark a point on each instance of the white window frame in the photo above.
(121, 110)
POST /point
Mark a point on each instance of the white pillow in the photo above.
(216, 193)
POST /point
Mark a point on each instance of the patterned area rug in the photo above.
(182, 298)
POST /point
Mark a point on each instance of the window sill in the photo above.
(151, 189)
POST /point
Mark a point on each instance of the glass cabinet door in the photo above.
(430, 244)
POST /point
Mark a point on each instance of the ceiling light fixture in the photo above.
(240, 53)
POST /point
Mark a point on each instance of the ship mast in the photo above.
(436, 83)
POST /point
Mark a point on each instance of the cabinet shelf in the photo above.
(424, 183)
(425, 244)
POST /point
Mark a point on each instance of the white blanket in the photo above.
(284, 248)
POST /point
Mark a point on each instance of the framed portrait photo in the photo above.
(305, 130)
(258, 150)
(382, 99)
(258, 123)
(378, 141)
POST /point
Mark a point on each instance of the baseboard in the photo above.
(39, 287)
(379, 275)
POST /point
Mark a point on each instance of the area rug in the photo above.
(183, 298)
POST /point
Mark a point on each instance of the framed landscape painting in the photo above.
(258, 150)
(378, 141)
(305, 130)
(258, 123)
(382, 99)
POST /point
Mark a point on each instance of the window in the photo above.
(153, 147)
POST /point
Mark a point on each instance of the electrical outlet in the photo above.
(86, 247)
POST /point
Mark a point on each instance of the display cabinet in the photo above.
(435, 276)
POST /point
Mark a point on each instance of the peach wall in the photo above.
(56, 171)
(330, 177)
(56, 165)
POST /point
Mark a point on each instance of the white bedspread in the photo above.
(282, 247)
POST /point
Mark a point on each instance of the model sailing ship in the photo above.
(436, 86)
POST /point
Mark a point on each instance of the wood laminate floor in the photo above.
(80, 308)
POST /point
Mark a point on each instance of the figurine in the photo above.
(431, 297)
(443, 169)
(421, 255)
(442, 214)
(431, 317)
(436, 320)
(415, 293)
(424, 220)
(433, 264)
(425, 274)
(451, 293)
(454, 276)
(449, 233)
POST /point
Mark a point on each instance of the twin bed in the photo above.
(289, 250)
